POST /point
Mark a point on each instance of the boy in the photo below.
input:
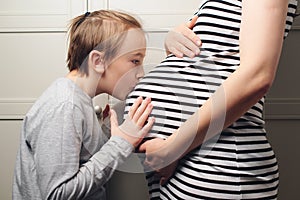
(63, 152)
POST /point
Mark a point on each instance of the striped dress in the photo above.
(239, 163)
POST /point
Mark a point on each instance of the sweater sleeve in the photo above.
(60, 172)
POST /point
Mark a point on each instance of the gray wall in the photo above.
(282, 115)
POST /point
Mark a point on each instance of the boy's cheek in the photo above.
(124, 86)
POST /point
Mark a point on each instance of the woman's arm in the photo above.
(261, 38)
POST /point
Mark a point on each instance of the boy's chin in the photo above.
(120, 97)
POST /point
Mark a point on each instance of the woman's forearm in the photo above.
(235, 97)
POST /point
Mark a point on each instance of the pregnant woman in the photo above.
(208, 108)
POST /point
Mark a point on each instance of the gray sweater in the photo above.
(63, 152)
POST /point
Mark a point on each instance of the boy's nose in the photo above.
(140, 73)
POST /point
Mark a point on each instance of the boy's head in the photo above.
(114, 36)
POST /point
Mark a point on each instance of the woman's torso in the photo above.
(240, 158)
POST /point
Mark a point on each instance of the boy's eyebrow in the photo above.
(138, 54)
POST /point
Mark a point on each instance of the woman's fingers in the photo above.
(192, 23)
(190, 33)
(183, 41)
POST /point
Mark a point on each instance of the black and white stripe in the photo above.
(237, 164)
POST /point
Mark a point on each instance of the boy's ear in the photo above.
(96, 60)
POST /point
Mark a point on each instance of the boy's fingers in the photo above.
(143, 118)
(113, 118)
(147, 127)
(134, 107)
(141, 109)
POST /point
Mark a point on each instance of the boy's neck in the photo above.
(86, 83)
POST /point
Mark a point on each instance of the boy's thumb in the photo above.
(113, 118)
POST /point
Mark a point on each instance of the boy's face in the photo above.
(124, 72)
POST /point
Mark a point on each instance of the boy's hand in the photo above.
(134, 128)
(183, 41)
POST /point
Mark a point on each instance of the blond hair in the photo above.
(103, 30)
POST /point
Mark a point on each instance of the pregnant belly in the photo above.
(176, 94)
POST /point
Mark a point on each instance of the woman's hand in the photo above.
(134, 128)
(183, 41)
(166, 172)
(158, 158)
(155, 153)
